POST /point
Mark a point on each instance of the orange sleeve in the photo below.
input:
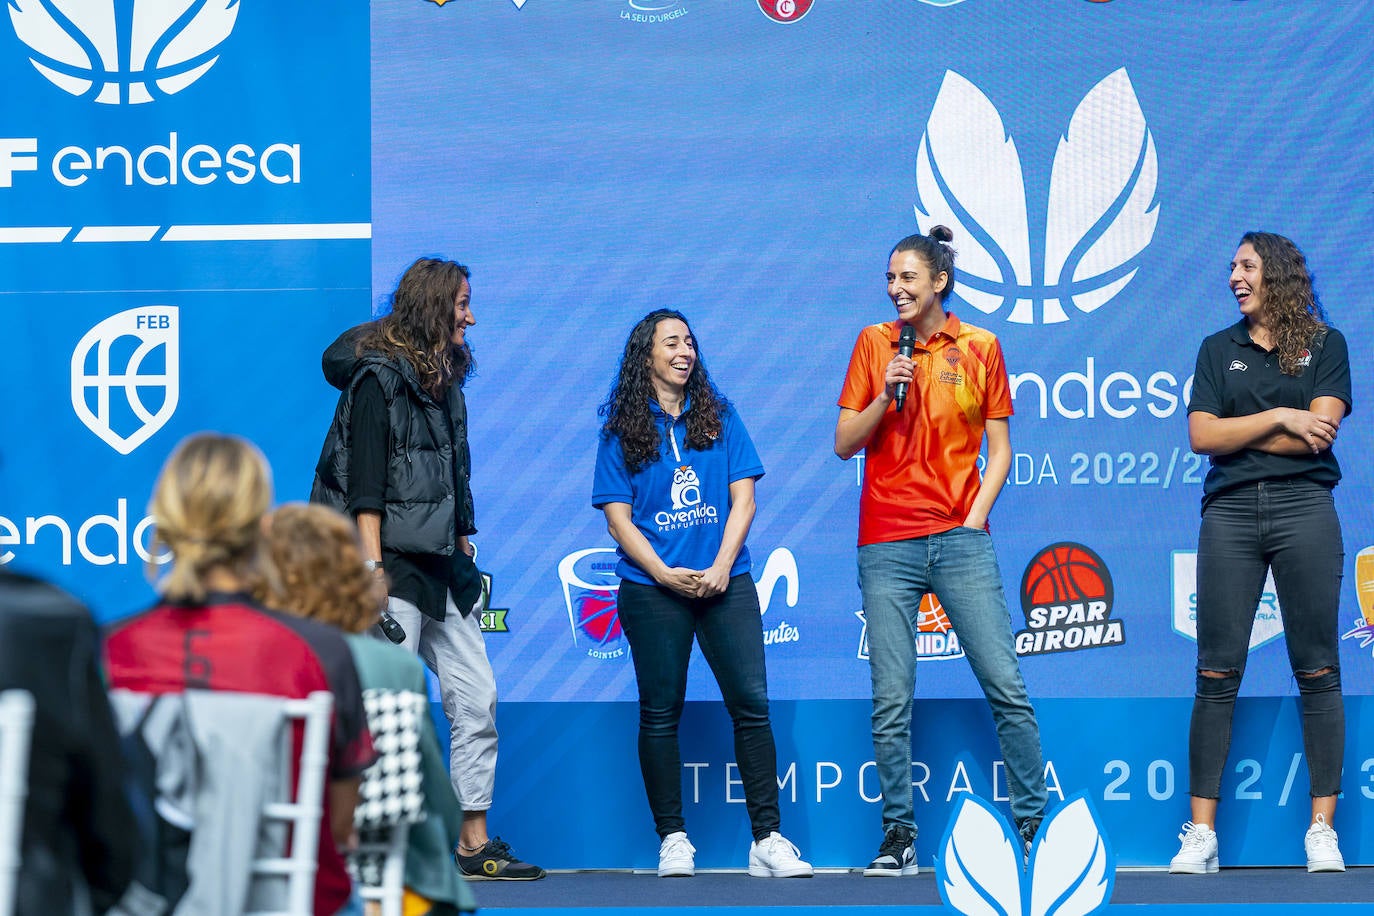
(858, 391)
(997, 403)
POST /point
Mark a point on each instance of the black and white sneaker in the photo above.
(896, 856)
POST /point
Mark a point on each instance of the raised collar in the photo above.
(949, 329)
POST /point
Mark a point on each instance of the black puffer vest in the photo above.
(423, 513)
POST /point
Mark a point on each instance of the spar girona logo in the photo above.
(123, 52)
(1100, 216)
(126, 376)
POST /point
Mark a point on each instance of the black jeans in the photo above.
(1289, 526)
(660, 625)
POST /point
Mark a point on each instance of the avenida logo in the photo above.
(1101, 212)
(111, 359)
(123, 51)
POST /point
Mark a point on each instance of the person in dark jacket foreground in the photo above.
(396, 459)
(77, 839)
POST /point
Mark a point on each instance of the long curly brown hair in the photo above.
(1290, 308)
(319, 560)
(419, 327)
(626, 408)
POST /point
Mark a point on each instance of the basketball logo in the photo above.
(123, 52)
(1067, 597)
(598, 616)
(931, 617)
(591, 590)
(1063, 573)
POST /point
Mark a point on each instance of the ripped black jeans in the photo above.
(1289, 526)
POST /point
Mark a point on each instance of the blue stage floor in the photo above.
(1252, 891)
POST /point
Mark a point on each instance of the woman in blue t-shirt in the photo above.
(675, 472)
(1269, 394)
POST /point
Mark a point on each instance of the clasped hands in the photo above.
(695, 583)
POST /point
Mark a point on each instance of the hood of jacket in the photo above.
(341, 360)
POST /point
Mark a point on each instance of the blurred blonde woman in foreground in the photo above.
(319, 561)
(208, 633)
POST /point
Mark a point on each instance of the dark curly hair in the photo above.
(934, 249)
(419, 327)
(1290, 308)
(626, 408)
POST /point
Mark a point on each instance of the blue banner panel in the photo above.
(1129, 756)
(1098, 163)
(184, 226)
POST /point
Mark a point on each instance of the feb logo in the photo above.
(125, 376)
(1067, 597)
(1101, 213)
(590, 592)
(1071, 868)
(785, 10)
(123, 52)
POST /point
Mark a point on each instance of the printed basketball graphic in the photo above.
(123, 53)
(930, 618)
(597, 616)
(590, 590)
(1065, 573)
(1067, 597)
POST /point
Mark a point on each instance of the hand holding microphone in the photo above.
(906, 345)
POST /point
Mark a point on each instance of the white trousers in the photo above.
(455, 651)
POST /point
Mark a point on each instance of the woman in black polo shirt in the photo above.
(1269, 394)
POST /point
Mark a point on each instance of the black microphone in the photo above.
(391, 629)
(906, 345)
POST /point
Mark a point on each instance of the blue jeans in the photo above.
(1291, 528)
(660, 626)
(960, 567)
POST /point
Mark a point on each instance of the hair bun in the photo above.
(941, 233)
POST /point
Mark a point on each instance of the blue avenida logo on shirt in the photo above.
(1100, 217)
(687, 507)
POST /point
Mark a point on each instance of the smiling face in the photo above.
(673, 357)
(462, 312)
(914, 290)
(1247, 282)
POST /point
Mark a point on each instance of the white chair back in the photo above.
(16, 728)
(304, 812)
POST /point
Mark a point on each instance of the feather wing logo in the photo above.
(1100, 216)
(123, 53)
(1071, 870)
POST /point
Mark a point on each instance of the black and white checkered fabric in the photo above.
(392, 792)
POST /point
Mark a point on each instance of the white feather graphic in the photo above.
(1071, 869)
(1105, 163)
(211, 25)
(981, 868)
(36, 28)
(966, 147)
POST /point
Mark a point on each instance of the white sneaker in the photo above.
(775, 857)
(1198, 856)
(1322, 852)
(676, 857)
